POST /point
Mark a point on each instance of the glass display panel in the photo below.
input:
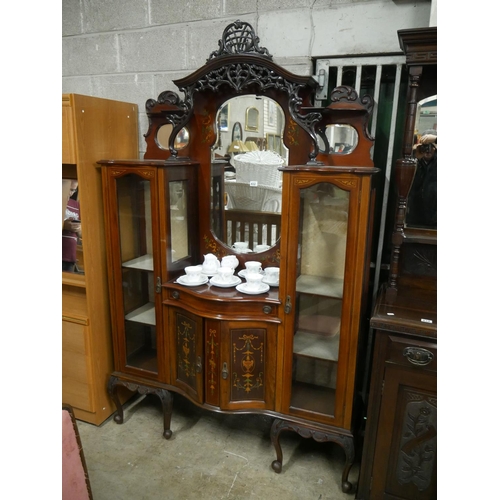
(178, 220)
(138, 287)
(323, 219)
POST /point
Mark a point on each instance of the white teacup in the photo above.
(230, 261)
(193, 273)
(262, 248)
(240, 246)
(254, 281)
(272, 274)
(253, 266)
(225, 273)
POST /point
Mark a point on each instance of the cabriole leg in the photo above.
(345, 441)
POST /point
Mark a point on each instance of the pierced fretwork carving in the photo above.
(257, 75)
(238, 38)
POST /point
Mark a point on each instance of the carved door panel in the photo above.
(187, 352)
(405, 458)
(247, 365)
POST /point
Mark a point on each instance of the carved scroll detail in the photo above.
(418, 443)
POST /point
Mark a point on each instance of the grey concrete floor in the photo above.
(209, 456)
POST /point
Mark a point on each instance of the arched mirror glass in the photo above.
(163, 136)
(246, 182)
(422, 199)
(339, 139)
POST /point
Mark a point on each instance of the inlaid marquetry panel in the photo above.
(248, 364)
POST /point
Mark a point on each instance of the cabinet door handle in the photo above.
(198, 365)
(158, 284)
(288, 305)
(418, 356)
(224, 370)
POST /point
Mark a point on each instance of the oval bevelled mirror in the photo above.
(421, 210)
(246, 183)
(163, 136)
(340, 139)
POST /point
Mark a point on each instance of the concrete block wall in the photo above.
(132, 50)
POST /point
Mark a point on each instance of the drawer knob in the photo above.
(175, 294)
(267, 309)
(418, 356)
(199, 366)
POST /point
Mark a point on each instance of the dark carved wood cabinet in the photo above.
(400, 449)
(290, 351)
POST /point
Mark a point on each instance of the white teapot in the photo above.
(210, 264)
(230, 261)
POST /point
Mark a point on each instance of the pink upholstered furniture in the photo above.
(75, 479)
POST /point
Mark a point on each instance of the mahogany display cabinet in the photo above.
(290, 351)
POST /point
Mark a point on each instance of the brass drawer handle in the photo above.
(175, 294)
(267, 309)
(418, 356)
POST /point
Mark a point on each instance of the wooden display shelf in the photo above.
(316, 346)
(144, 314)
(319, 285)
(314, 398)
(91, 128)
(144, 262)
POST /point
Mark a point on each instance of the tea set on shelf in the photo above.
(220, 273)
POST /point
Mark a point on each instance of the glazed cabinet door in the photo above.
(178, 196)
(135, 279)
(326, 237)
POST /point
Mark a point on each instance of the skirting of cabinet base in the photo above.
(319, 435)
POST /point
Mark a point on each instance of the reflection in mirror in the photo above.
(252, 119)
(163, 136)
(72, 250)
(339, 139)
(237, 132)
(422, 199)
(246, 183)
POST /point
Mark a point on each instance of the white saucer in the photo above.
(243, 273)
(271, 283)
(223, 284)
(243, 288)
(183, 281)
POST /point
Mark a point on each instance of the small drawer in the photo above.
(224, 307)
(419, 354)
